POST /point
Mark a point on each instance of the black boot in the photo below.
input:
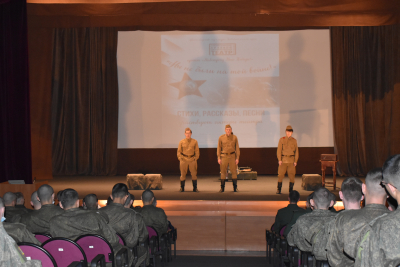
(291, 187)
(182, 186)
(194, 182)
(234, 181)
(222, 186)
(278, 191)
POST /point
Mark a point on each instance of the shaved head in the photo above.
(9, 198)
(44, 193)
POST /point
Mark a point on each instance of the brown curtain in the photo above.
(366, 96)
(84, 101)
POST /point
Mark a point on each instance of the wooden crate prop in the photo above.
(311, 182)
(141, 182)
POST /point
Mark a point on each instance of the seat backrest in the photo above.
(152, 231)
(42, 237)
(35, 252)
(64, 251)
(282, 230)
(94, 245)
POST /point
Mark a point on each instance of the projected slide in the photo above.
(258, 82)
(210, 80)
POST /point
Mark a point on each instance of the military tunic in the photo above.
(19, 233)
(156, 218)
(346, 229)
(37, 221)
(129, 224)
(228, 152)
(75, 222)
(284, 216)
(288, 153)
(11, 212)
(188, 153)
(11, 255)
(306, 227)
(379, 242)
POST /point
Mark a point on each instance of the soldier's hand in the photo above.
(280, 162)
(295, 164)
(237, 162)
(219, 161)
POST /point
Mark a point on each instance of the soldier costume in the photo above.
(306, 227)
(11, 255)
(130, 225)
(156, 218)
(288, 155)
(19, 233)
(228, 152)
(379, 242)
(37, 221)
(76, 222)
(284, 216)
(346, 229)
(188, 154)
(295, 216)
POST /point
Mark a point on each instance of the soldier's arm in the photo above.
(237, 149)
(143, 234)
(296, 153)
(179, 152)
(219, 148)
(196, 151)
(279, 150)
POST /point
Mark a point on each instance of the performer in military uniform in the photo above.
(188, 154)
(288, 155)
(228, 155)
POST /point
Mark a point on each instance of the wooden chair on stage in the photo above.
(329, 160)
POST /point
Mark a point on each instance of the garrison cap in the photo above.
(289, 128)
(188, 129)
(228, 126)
(391, 171)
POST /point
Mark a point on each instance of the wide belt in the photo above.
(187, 155)
(229, 153)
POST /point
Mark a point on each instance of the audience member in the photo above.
(308, 224)
(379, 240)
(38, 220)
(129, 201)
(10, 254)
(20, 203)
(90, 202)
(297, 214)
(284, 215)
(35, 203)
(333, 198)
(125, 221)
(75, 222)
(10, 200)
(391, 203)
(153, 216)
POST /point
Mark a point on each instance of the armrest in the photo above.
(121, 255)
(98, 259)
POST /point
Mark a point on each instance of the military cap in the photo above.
(289, 128)
(228, 126)
(391, 171)
(188, 129)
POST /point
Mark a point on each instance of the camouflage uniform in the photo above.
(19, 233)
(11, 212)
(306, 227)
(11, 255)
(379, 242)
(156, 218)
(129, 224)
(37, 221)
(295, 216)
(75, 222)
(284, 216)
(345, 230)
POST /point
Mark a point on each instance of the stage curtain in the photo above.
(84, 101)
(366, 96)
(15, 145)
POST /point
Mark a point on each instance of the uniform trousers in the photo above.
(231, 161)
(192, 165)
(289, 168)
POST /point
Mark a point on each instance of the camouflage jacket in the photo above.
(19, 233)
(156, 218)
(37, 221)
(296, 215)
(11, 212)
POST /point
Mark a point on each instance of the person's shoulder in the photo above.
(183, 140)
(387, 222)
(222, 135)
(14, 226)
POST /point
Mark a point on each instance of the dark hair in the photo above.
(373, 182)
(310, 196)
(44, 193)
(322, 198)
(109, 201)
(119, 190)
(294, 196)
(129, 199)
(391, 171)
(34, 199)
(352, 189)
(68, 198)
(20, 198)
(147, 195)
(9, 198)
(91, 202)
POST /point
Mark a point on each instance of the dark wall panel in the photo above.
(262, 160)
